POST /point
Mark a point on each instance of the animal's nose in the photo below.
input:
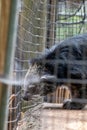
(26, 96)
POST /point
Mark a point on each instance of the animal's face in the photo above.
(37, 81)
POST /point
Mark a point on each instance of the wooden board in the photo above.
(59, 119)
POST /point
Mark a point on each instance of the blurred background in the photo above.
(27, 28)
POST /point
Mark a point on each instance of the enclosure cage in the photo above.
(40, 25)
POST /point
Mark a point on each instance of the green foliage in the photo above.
(68, 26)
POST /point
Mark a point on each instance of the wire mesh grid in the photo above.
(41, 24)
(70, 18)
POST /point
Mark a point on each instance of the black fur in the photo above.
(67, 61)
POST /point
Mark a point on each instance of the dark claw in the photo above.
(68, 104)
(48, 79)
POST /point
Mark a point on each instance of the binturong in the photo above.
(65, 63)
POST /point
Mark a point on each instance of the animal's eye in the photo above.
(39, 68)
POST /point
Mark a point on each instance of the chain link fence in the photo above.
(40, 25)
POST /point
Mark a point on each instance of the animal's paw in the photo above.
(47, 78)
(48, 84)
(70, 105)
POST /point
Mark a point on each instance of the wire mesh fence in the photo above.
(41, 24)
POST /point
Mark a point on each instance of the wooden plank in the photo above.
(59, 119)
(4, 22)
(7, 19)
(52, 105)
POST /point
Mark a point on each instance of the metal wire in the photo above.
(42, 24)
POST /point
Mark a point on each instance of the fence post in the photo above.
(7, 49)
(51, 23)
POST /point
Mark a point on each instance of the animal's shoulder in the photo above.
(78, 42)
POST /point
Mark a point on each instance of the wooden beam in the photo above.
(7, 22)
(4, 21)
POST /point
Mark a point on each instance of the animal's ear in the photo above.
(46, 50)
(32, 61)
